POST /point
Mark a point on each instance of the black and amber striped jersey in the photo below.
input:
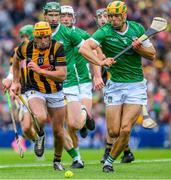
(105, 75)
(23, 76)
(12, 56)
(48, 59)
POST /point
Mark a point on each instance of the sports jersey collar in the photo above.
(73, 27)
(123, 33)
(57, 29)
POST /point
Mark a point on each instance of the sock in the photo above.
(41, 133)
(109, 161)
(73, 152)
(78, 150)
(78, 158)
(108, 145)
(127, 150)
(57, 158)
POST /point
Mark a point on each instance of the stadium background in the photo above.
(16, 13)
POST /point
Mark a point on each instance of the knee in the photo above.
(58, 133)
(26, 129)
(114, 133)
(125, 131)
(42, 117)
(73, 125)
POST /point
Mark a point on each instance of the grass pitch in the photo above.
(149, 164)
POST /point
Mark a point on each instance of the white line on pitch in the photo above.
(88, 162)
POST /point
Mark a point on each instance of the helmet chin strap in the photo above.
(119, 27)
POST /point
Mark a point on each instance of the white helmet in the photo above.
(68, 10)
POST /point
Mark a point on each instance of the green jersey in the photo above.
(70, 40)
(82, 65)
(128, 67)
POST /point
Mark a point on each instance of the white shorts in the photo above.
(54, 100)
(76, 93)
(72, 93)
(86, 90)
(125, 93)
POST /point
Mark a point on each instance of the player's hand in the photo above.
(107, 62)
(98, 83)
(6, 84)
(33, 66)
(15, 89)
(136, 44)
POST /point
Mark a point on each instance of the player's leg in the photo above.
(108, 147)
(128, 156)
(85, 94)
(56, 111)
(71, 150)
(133, 98)
(69, 147)
(26, 122)
(86, 101)
(37, 104)
(128, 118)
(76, 116)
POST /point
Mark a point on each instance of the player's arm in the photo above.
(16, 86)
(8, 80)
(145, 49)
(91, 44)
(59, 74)
(86, 50)
(98, 83)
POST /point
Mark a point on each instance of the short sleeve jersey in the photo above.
(82, 65)
(128, 67)
(48, 59)
(70, 39)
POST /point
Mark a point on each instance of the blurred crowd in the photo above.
(16, 13)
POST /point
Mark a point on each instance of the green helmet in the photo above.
(52, 6)
(27, 30)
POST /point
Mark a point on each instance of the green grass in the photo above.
(149, 164)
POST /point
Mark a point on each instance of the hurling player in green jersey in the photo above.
(125, 91)
(101, 19)
(82, 91)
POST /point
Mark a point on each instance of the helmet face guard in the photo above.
(117, 8)
(100, 11)
(69, 10)
(42, 35)
(26, 30)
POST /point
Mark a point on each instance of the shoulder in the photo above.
(84, 34)
(24, 45)
(57, 46)
(135, 25)
(106, 27)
